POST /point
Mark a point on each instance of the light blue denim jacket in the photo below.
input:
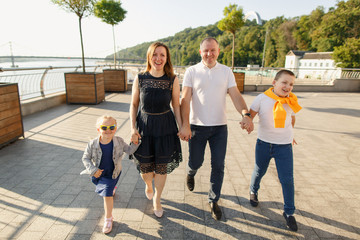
(92, 155)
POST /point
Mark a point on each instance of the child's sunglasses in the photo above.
(103, 127)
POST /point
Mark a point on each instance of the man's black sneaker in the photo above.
(215, 211)
(190, 182)
(254, 199)
(291, 222)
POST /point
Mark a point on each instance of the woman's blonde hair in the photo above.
(168, 68)
(101, 119)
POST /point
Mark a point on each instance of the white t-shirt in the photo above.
(264, 105)
(209, 89)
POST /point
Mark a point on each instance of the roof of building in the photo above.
(297, 53)
(317, 55)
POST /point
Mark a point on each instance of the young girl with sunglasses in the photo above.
(102, 160)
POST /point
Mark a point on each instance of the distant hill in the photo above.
(336, 31)
(183, 45)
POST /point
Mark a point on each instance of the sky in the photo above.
(41, 28)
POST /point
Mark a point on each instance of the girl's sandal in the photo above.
(107, 225)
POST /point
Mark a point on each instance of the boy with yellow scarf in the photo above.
(276, 108)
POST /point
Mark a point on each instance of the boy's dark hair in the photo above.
(283, 71)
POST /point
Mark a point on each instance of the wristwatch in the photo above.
(247, 114)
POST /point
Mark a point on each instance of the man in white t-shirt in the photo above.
(205, 87)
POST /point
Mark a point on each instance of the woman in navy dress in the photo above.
(155, 122)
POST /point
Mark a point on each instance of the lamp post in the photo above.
(178, 55)
(263, 58)
(12, 56)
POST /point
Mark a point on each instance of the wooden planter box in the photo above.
(84, 88)
(11, 125)
(115, 80)
(240, 80)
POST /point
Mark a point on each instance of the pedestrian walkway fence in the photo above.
(304, 76)
(42, 81)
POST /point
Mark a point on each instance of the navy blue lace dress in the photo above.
(160, 149)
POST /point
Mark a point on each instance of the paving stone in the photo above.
(58, 232)
(78, 236)
(43, 195)
(84, 227)
(31, 235)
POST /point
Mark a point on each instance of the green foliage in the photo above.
(318, 31)
(82, 8)
(184, 46)
(305, 28)
(284, 40)
(110, 11)
(348, 55)
(337, 25)
(225, 40)
(233, 21)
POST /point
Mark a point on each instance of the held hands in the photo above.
(185, 133)
(135, 136)
(247, 124)
(294, 142)
(98, 173)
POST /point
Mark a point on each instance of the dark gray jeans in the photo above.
(217, 138)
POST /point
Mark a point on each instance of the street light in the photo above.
(263, 58)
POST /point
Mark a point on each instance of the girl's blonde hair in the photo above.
(101, 119)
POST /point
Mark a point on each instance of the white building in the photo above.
(312, 65)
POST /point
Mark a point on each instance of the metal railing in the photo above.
(41, 81)
(304, 76)
(350, 73)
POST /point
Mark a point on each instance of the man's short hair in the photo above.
(208, 39)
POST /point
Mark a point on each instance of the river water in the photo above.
(48, 62)
(29, 80)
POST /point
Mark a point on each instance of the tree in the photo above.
(234, 20)
(110, 12)
(337, 26)
(82, 8)
(318, 31)
(348, 55)
(250, 40)
(305, 28)
(284, 41)
(271, 48)
(225, 40)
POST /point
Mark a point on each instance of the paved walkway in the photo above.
(42, 195)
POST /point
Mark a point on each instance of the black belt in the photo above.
(157, 113)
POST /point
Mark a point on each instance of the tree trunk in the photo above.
(114, 47)
(233, 52)
(82, 46)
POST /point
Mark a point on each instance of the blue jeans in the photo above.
(217, 138)
(283, 155)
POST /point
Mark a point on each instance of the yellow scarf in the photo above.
(279, 111)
